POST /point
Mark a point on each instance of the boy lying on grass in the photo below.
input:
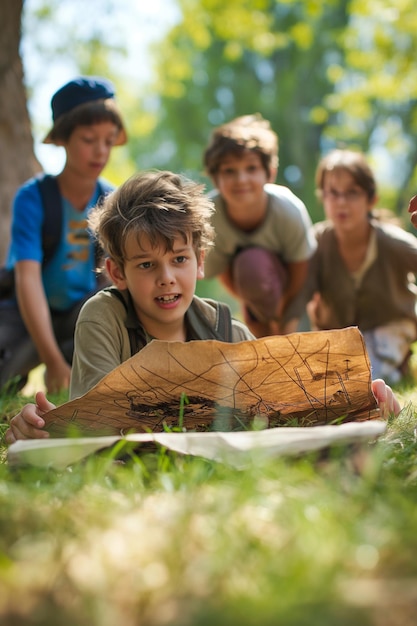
(155, 230)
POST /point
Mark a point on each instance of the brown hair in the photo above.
(248, 132)
(87, 114)
(351, 161)
(160, 205)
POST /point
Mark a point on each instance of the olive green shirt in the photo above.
(102, 339)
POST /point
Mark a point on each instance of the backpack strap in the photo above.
(224, 322)
(53, 213)
(137, 339)
(51, 228)
(222, 330)
(52, 206)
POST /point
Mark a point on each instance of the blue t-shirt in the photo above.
(69, 276)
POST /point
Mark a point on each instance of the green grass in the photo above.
(327, 539)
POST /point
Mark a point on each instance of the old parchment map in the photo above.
(303, 379)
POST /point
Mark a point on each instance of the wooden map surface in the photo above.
(302, 379)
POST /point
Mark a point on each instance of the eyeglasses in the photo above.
(351, 195)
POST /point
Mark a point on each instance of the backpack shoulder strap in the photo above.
(222, 328)
(136, 338)
(51, 228)
(224, 322)
(52, 206)
(53, 214)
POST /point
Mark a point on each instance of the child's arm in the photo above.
(35, 312)
(297, 276)
(28, 424)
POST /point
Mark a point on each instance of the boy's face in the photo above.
(88, 148)
(162, 283)
(241, 179)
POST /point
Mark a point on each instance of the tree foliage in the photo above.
(324, 74)
(341, 72)
(375, 90)
(18, 161)
(228, 59)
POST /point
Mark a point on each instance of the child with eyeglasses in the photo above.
(360, 272)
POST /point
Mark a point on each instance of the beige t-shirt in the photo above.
(286, 230)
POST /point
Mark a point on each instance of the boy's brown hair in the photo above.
(95, 112)
(160, 205)
(352, 162)
(248, 132)
(84, 101)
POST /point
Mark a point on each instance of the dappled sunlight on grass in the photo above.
(35, 382)
(159, 538)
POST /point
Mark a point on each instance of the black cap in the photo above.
(79, 91)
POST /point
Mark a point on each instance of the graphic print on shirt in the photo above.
(78, 243)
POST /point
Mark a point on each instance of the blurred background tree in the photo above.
(373, 104)
(18, 160)
(340, 73)
(245, 56)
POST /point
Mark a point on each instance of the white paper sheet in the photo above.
(233, 448)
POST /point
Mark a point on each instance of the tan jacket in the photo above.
(387, 291)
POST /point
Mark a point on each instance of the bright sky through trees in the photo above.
(130, 23)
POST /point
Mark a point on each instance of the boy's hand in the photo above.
(28, 424)
(387, 402)
(320, 314)
(412, 208)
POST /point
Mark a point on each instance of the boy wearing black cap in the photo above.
(37, 324)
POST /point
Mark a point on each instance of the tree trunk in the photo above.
(18, 161)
